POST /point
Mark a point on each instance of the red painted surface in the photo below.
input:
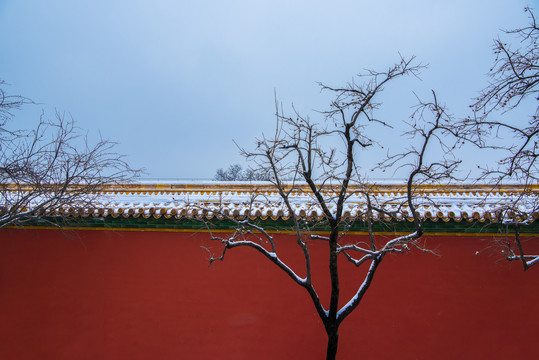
(151, 295)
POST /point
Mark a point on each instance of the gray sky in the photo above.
(175, 81)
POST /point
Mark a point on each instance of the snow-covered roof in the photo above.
(467, 202)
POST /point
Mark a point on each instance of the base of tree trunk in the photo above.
(333, 342)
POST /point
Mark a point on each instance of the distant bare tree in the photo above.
(52, 167)
(237, 173)
(514, 79)
(323, 158)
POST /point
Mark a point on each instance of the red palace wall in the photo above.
(151, 295)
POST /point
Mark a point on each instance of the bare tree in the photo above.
(514, 80)
(237, 173)
(52, 168)
(321, 159)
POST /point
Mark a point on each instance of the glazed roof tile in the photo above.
(469, 202)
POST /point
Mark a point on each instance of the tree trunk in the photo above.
(332, 327)
(333, 342)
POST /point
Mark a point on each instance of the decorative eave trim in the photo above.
(206, 201)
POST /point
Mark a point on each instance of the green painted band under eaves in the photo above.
(473, 227)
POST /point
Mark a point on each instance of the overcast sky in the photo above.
(174, 82)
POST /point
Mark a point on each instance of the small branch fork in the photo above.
(527, 260)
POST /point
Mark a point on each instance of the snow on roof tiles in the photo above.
(261, 200)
